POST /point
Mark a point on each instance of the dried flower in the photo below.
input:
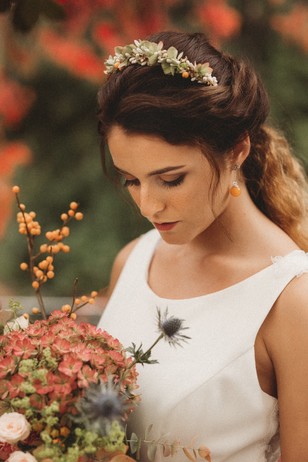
(102, 404)
(171, 328)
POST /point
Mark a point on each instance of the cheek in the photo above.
(134, 194)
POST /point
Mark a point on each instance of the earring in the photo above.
(235, 190)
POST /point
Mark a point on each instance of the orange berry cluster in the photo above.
(78, 303)
(28, 226)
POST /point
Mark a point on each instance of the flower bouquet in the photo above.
(66, 387)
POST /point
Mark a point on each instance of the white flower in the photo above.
(19, 323)
(19, 456)
(14, 427)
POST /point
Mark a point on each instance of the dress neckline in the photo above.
(275, 260)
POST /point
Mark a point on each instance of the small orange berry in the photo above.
(49, 235)
(16, 189)
(64, 216)
(50, 274)
(66, 308)
(91, 301)
(79, 216)
(65, 231)
(73, 316)
(39, 273)
(84, 298)
(55, 248)
(35, 310)
(35, 284)
(43, 248)
(71, 213)
(116, 65)
(22, 207)
(185, 75)
(23, 266)
(66, 248)
(74, 205)
(49, 258)
(43, 264)
(94, 293)
(64, 431)
(26, 315)
(77, 301)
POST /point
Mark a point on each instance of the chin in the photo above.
(174, 239)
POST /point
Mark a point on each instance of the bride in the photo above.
(186, 128)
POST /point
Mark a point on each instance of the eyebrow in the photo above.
(154, 172)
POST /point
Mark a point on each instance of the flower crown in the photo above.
(172, 62)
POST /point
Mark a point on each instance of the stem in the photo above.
(146, 352)
(30, 244)
(41, 303)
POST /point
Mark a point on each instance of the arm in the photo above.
(118, 265)
(286, 340)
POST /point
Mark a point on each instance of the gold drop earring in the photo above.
(235, 190)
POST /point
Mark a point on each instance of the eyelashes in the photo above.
(166, 184)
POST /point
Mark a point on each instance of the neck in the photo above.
(239, 227)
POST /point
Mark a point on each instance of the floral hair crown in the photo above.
(150, 53)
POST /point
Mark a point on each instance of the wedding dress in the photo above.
(205, 393)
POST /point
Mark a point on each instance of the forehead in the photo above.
(144, 151)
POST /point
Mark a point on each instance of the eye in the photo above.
(129, 182)
(176, 182)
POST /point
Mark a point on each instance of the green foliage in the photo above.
(61, 130)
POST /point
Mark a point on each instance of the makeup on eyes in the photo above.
(165, 183)
(175, 179)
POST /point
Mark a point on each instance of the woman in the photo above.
(185, 126)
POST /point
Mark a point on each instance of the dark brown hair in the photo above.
(142, 99)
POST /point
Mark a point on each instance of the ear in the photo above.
(241, 151)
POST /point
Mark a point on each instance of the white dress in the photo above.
(206, 392)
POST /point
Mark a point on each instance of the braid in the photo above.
(277, 184)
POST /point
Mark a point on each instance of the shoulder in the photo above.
(119, 263)
(286, 340)
(289, 317)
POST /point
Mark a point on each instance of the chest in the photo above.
(178, 277)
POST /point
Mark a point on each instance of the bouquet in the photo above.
(66, 387)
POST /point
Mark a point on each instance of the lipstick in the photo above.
(165, 226)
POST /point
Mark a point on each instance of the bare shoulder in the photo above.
(119, 263)
(285, 336)
(289, 317)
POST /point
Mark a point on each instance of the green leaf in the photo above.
(134, 443)
(172, 53)
(148, 432)
(151, 452)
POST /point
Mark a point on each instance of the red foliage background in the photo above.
(89, 32)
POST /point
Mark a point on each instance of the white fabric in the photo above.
(207, 392)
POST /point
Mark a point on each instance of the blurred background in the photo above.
(51, 66)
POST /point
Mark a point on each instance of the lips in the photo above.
(167, 226)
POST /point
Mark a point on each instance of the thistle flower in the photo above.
(102, 405)
(171, 328)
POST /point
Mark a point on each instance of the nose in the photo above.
(150, 203)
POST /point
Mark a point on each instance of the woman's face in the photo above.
(170, 184)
